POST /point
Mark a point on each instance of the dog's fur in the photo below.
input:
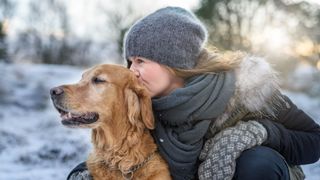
(110, 100)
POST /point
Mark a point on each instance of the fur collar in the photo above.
(256, 84)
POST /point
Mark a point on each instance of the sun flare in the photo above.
(272, 38)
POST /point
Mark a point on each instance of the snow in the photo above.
(33, 142)
(304, 78)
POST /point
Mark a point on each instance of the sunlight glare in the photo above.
(271, 39)
(305, 47)
(275, 38)
(5, 26)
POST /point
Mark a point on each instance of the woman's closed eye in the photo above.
(139, 61)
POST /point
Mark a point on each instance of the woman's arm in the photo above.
(220, 152)
(295, 135)
(80, 172)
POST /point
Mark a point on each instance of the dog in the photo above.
(110, 100)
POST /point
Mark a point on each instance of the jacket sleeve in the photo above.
(294, 134)
(220, 152)
(80, 172)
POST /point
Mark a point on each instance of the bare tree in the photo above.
(48, 38)
(118, 21)
(238, 24)
(232, 22)
(6, 11)
(50, 17)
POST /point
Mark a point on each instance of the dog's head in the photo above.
(103, 93)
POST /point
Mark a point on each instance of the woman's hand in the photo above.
(220, 152)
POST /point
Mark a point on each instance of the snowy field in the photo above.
(33, 143)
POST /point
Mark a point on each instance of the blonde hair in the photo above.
(211, 61)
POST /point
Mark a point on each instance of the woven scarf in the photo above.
(183, 118)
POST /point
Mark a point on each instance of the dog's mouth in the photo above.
(70, 118)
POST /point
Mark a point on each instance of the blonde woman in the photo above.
(218, 115)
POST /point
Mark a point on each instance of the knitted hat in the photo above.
(171, 36)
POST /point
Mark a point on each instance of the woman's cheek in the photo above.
(147, 86)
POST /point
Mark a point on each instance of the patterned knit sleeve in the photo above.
(220, 152)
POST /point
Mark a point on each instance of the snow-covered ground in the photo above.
(33, 143)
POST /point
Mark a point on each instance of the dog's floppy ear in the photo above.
(139, 103)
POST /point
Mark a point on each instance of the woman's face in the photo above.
(155, 77)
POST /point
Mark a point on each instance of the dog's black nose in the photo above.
(57, 91)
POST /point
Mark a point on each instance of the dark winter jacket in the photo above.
(294, 135)
(290, 131)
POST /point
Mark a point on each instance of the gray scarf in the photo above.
(183, 118)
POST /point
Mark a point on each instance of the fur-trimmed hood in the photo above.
(256, 85)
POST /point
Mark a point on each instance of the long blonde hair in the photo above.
(211, 61)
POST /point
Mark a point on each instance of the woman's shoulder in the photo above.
(256, 82)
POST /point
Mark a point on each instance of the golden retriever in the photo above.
(110, 100)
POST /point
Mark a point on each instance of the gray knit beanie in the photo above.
(171, 36)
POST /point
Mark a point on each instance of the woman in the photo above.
(218, 115)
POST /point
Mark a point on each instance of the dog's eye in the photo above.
(97, 80)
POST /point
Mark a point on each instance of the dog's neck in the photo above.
(122, 145)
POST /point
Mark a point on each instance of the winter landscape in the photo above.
(35, 145)
(44, 43)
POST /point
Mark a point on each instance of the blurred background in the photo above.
(45, 43)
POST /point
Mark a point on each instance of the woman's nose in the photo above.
(135, 71)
